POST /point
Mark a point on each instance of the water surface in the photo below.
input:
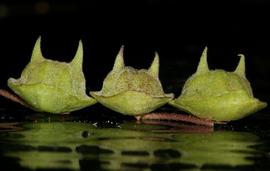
(46, 142)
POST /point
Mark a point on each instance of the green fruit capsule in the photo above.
(52, 86)
(218, 95)
(131, 91)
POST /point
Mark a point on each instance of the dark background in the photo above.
(177, 30)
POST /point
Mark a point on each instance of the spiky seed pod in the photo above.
(217, 94)
(52, 86)
(131, 91)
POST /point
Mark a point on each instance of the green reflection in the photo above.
(67, 144)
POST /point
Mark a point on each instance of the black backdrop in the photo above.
(177, 30)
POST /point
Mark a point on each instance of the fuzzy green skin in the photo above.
(132, 92)
(52, 86)
(218, 95)
(131, 102)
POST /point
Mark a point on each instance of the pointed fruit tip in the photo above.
(37, 53)
(119, 60)
(241, 68)
(203, 65)
(154, 68)
(78, 58)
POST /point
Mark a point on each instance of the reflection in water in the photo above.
(82, 146)
(12, 126)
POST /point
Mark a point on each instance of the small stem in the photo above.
(13, 97)
(176, 117)
(180, 127)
